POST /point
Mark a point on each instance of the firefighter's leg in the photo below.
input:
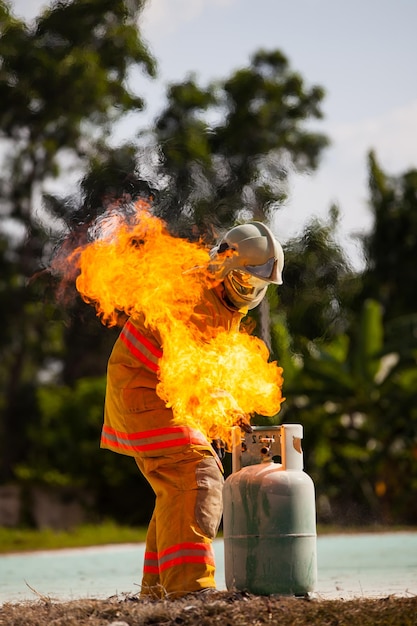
(151, 584)
(188, 488)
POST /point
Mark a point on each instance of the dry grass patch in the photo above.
(223, 608)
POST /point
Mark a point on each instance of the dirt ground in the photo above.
(222, 607)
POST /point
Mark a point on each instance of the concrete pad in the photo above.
(349, 566)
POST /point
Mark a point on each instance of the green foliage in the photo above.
(105, 533)
(346, 341)
(63, 451)
(271, 103)
(62, 87)
(391, 247)
(356, 402)
(350, 382)
(235, 167)
(75, 60)
(318, 283)
(64, 444)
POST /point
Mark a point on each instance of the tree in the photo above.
(63, 84)
(338, 391)
(236, 166)
(318, 284)
(391, 247)
(350, 368)
(62, 87)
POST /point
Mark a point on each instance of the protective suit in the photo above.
(179, 462)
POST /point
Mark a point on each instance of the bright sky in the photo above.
(363, 52)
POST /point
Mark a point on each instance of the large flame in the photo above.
(209, 379)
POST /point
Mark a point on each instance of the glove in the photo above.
(244, 424)
(242, 420)
(219, 448)
(239, 418)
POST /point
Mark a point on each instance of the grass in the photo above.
(29, 539)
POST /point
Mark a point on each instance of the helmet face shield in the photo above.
(265, 270)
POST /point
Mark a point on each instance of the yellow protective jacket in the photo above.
(136, 420)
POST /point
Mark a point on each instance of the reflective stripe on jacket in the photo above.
(140, 346)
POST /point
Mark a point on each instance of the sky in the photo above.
(362, 52)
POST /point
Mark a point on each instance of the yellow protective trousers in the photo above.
(179, 556)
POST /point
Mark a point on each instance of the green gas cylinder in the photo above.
(269, 518)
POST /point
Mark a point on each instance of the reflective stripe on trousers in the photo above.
(179, 555)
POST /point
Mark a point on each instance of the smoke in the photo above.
(105, 200)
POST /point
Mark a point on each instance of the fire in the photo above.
(135, 266)
(214, 383)
(209, 379)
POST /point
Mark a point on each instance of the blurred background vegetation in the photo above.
(216, 154)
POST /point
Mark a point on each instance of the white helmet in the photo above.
(248, 258)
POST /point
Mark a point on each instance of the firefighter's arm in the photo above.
(219, 445)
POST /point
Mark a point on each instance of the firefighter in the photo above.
(179, 462)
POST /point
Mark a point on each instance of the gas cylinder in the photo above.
(269, 517)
